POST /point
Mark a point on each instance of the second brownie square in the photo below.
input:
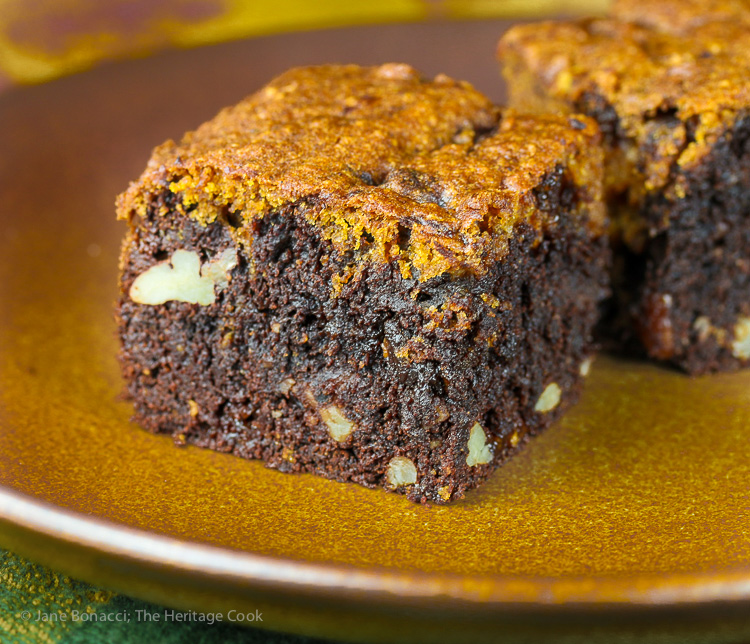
(670, 92)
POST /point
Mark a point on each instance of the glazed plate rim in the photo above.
(248, 569)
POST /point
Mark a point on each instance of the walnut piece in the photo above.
(549, 399)
(479, 452)
(183, 279)
(339, 426)
(401, 471)
(741, 344)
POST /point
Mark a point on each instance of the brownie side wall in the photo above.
(413, 365)
(681, 267)
(696, 271)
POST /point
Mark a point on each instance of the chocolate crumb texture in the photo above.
(367, 275)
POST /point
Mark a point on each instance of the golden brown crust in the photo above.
(680, 16)
(371, 152)
(653, 74)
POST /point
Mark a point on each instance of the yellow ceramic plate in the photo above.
(629, 516)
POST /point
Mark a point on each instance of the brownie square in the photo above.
(367, 275)
(667, 83)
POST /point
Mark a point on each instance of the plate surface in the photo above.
(636, 502)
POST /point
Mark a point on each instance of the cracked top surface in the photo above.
(681, 16)
(674, 72)
(384, 161)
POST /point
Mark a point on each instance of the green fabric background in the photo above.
(30, 591)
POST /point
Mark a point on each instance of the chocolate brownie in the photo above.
(367, 275)
(668, 85)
